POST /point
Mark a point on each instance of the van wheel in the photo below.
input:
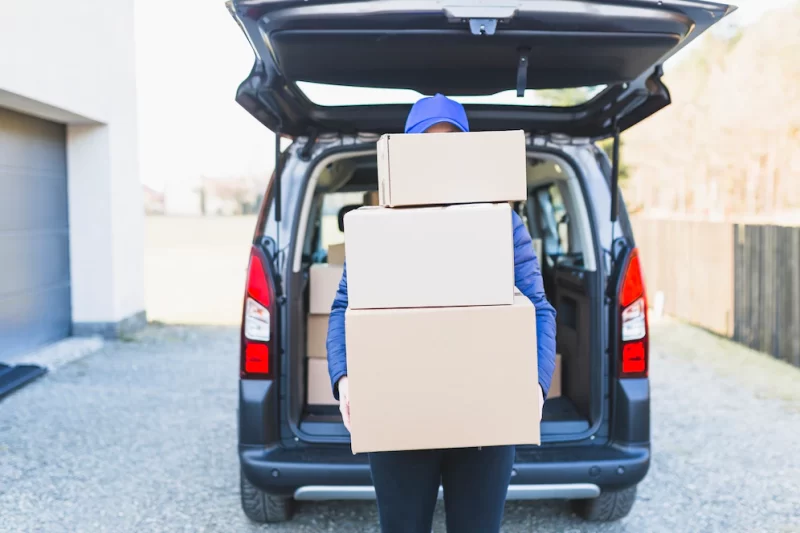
(608, 507)
(262, 507)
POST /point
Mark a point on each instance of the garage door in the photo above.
(34, 233)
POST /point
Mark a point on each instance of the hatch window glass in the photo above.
(340, 95)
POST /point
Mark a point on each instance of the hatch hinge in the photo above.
(522, 71)
(483, 26)
(308, 147)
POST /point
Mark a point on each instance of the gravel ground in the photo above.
(141, 437)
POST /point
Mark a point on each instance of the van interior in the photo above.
(559, 222)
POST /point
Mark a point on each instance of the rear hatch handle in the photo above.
(480, 10)
(483, 26)
(483, 19)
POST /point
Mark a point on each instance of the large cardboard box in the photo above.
(555, 383)
(430, 256)
(451, 168)
(319, 383)
(317, 336)
(324, 282)
(443, 377)
(336, 254)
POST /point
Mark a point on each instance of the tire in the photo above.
(262, 507)
(608, 507)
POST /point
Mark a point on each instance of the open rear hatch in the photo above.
(465, 48)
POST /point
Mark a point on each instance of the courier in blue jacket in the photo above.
(475, 480)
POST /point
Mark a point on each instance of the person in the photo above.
(475, 480)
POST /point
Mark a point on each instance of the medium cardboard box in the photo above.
(430, 256)
(555, 383)
(319, 383)
(324, 281)
(451, 168)
(336, 254)
(317, 336)
(450, 377)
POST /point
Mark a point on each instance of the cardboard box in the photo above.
(371, 198)
(336, 254)
(324, 282)
(317, 336)
(319, 383)
(451, 168)
(430, 256)
(443, 377)
(555, 383)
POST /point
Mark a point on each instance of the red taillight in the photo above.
(257, 287)
(256, 320)
(633, 321)
(256, 358)
(634, 357)
(632, 285)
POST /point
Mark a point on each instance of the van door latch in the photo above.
(483, 26)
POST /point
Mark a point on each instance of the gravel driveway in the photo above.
(140, 437)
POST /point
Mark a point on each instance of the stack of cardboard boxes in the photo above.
(323, 281)
(441, 349)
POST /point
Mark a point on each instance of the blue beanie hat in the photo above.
(433, 110)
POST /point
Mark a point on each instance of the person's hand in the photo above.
(541, 402)
(344, 401)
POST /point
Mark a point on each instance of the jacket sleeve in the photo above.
(337, 353)
(528, 279)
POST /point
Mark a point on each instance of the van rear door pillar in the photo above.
(277, 176)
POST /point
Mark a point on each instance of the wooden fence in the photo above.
(740, 281)
(767, 288)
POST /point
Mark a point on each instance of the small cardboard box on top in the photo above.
(430, 256)
(451, 168)
(451, 377)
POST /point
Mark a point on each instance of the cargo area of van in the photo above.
(563, 237)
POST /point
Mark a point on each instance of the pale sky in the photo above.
(191, 56)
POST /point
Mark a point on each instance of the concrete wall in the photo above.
(74, 63)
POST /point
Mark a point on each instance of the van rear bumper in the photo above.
(333, 473)
(577, 491)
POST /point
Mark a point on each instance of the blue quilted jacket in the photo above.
(527, 278)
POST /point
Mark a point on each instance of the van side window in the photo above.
(329, 231)
(553, 221)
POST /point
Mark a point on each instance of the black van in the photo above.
(513, 64)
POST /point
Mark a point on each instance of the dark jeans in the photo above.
(475, 483)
